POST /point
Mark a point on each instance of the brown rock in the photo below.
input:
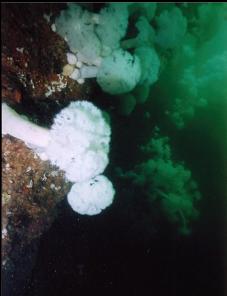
(31, 189)
(33, 56)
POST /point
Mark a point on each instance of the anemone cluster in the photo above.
(135, 51)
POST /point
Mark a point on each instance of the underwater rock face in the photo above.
(31, 189)
(33, 56)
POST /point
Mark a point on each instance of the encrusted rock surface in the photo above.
(33, 56)
(31, 190)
